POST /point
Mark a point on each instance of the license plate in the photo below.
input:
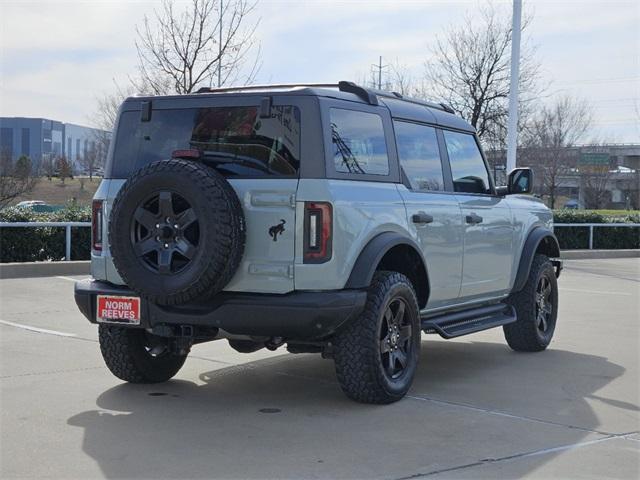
(114, 309)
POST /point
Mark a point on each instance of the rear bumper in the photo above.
(300, 315)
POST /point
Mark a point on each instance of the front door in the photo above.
(488, 228)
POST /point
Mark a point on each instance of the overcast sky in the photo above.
(57, 57)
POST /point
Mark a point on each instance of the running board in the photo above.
(456, 324)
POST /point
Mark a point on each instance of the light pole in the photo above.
(220, 49)
(512, 128)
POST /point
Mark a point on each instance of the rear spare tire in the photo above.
(176, 232)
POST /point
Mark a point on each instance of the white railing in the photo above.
(67, 226)
(591, 226)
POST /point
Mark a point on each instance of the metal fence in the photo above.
(591, 226)
(67, 226)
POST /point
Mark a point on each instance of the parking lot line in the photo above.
(70, 279)
(597, 292)
(36, 329)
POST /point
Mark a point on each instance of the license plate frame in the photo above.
(118, 309)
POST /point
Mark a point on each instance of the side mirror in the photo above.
(520, 180)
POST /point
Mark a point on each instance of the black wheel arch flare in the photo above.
(539, 240)
(374, 252)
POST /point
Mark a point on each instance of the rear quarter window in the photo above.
(359, 146)
(254, 146)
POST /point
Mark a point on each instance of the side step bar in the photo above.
(464, 322)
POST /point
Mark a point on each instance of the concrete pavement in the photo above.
(476, 410)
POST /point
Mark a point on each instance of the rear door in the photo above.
(488, 228)
(261, 140)
(433, 215)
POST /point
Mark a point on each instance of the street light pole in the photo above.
(220, 49)
(512, 128)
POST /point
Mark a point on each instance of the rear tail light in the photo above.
(96, 225)
(318, 232)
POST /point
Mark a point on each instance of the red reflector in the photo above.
(317, 232)
(96, 225)
(190, 153)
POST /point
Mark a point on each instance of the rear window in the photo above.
(254, 146)
(358, 141)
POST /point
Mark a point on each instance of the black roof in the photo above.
(400, 107)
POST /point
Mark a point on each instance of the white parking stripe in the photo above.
(70, 279)
(598, 292)
(38, 330)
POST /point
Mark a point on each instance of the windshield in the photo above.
(252, 145)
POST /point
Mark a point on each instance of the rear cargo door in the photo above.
(269, 209)
(254, 142)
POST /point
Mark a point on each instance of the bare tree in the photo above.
(180, 51)
(469, 70)
(548, 137)
(595, 182)
(93, 157)
(15, 180)
(63, 168)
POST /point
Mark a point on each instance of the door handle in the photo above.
(473, 219)
(421, 217)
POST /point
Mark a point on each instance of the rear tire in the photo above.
(129, 354)
(376, 355)
(537, 308)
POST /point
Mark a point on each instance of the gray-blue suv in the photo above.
(328, 218)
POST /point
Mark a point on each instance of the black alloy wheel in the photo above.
(165, 232)
(395, 342)
(544, 304)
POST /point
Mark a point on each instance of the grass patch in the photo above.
(78, 190)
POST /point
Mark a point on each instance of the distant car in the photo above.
(572, 204)
(31, 203)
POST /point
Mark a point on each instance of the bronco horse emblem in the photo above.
(277, 230)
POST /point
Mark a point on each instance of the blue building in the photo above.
(42, 139)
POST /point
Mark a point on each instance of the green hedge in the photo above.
(610, 238)
(32, 244)
(44, 243)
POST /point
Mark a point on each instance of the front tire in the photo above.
(377, 354)
(536, 306)
(135, 356)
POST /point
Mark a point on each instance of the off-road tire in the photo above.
(221, 240)
(123, 350)
(358, 364)
(524, 335)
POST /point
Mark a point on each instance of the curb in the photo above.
(44, 269)
(595, 254)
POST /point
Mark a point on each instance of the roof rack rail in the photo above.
(447, 108)
(264, 87)
(369, 95)
(365, 94)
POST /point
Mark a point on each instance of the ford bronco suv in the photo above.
(328, 218)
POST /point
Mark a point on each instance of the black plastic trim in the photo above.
(535, 237)
(471, 320)
(299, 315)
(370, 256)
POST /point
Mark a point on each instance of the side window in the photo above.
(467, 167)
(359, 146)
(419, 156)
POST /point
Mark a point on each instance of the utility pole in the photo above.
(220, 49)
(379, 67)
(512, 128)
